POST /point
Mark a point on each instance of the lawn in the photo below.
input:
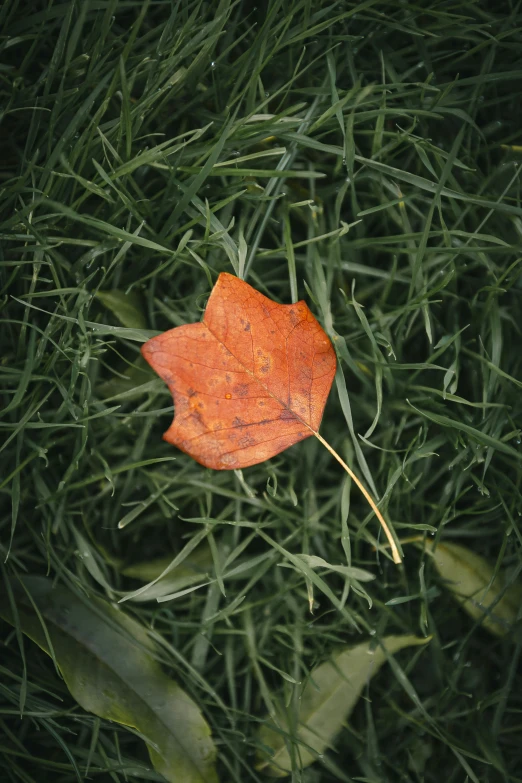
(161, 620)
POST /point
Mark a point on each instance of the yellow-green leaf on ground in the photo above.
(126, 307)
(107, 662)
(195, 568)
(327, 700)
(471, 578)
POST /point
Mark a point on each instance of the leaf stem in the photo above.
(393, 546)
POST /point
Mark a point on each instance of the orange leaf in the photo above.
(248, 381)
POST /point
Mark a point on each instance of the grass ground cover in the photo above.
(364, 157)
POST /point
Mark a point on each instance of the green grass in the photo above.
(147, 146)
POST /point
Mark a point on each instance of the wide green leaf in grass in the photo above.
(485, 593)
(328, 698)
(126, 307)
(195, 568)
(107, 662)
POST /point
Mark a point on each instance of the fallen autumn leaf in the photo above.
(248, 381)
(327, 699)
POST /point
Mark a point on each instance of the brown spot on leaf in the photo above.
(240, 389)
(246, 441)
